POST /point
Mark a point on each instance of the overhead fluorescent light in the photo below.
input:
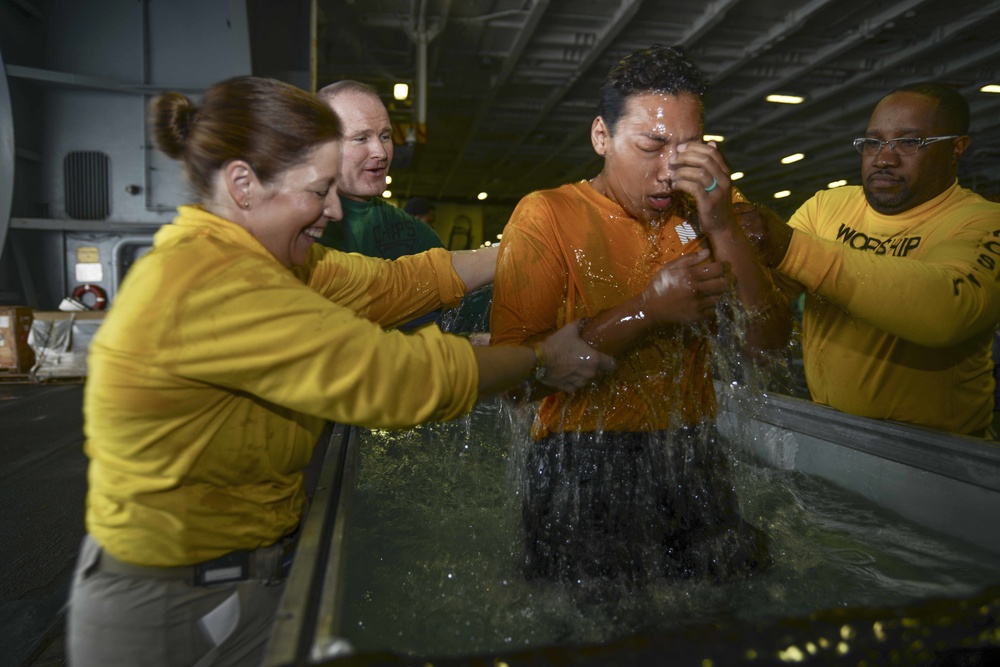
(990, 88)
(785, 99)
(781, 194)
(717, 138)
(400, 91)
(481, 196)
(736, 175)
(788, 159)
(837, 184)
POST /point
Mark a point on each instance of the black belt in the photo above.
(267, 564)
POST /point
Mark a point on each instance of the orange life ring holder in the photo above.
(100, 296)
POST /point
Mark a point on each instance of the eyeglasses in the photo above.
(901, 146)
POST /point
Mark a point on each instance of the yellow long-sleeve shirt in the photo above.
(900, 309)
(211, 378)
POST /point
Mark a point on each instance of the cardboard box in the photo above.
(15, 326)
(61, 341)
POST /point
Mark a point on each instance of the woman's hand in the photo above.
(686, 289)
(569, 362)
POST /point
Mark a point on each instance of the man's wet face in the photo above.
(637, 154)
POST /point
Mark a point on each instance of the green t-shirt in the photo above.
(376, 228)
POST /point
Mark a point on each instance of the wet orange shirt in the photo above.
(569, 253)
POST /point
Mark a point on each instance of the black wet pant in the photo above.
(635, 506)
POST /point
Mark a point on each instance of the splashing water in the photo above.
(434, 553)
(472, 316)
(435, 543)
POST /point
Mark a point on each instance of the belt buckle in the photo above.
(233, 566)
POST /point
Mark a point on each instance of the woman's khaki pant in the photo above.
(123, 620)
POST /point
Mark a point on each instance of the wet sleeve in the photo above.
(949, 295)
(529, 292)
(388, 292)
(290, 346)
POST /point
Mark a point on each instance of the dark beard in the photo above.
(888, 205)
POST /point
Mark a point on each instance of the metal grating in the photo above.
(87, 185)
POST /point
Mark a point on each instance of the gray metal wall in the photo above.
(80, 74)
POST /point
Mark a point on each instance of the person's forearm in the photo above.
(685, 290)
(933, 303)
(562, 361)
(503, 366)
(770, 328)
(613, 330)
(788, 286)
(475, 267)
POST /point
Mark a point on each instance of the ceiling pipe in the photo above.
(421, 39)
(313, 46)
(422, 36)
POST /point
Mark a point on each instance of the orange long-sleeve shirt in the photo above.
(569, 253)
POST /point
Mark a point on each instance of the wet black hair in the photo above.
(953, 108)
(658, 69)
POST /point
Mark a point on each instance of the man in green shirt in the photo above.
(371, 226)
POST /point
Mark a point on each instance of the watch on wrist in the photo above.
(539, 371)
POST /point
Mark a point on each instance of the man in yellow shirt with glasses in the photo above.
(900, 273)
